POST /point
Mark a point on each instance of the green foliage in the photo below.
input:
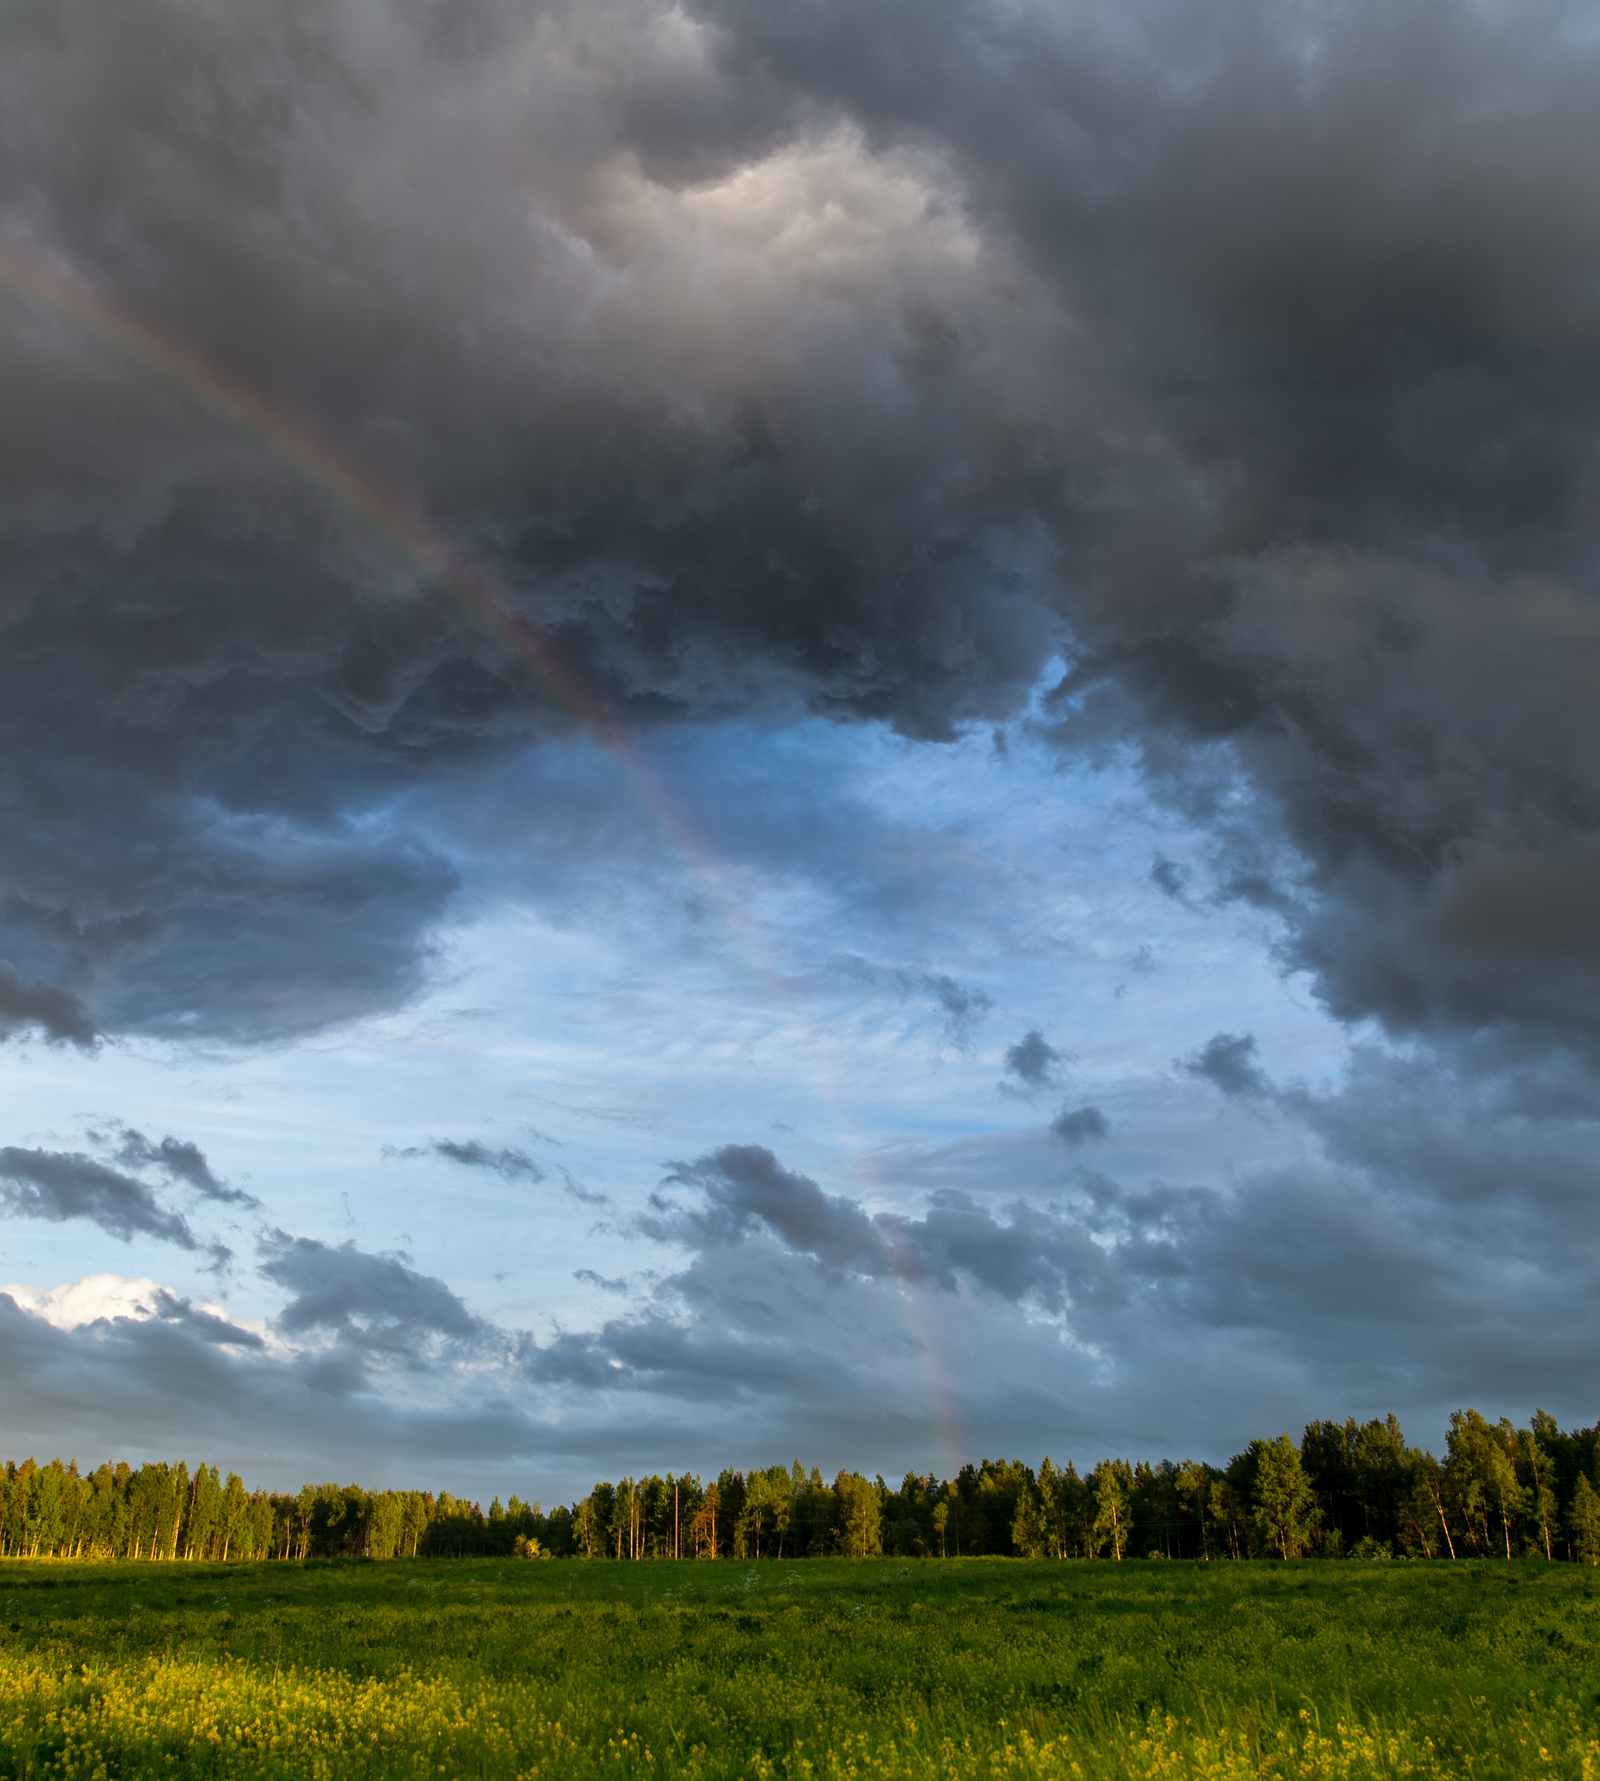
(1583, 1521)
(861, 1515)
(1351, 1488)
(1111, 1483)
(1286, 1512)
(341, 1671)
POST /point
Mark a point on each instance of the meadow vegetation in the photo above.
(817, 1671)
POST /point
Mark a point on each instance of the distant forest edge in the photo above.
(1348, 1490)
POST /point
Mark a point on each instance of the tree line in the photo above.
(1352, 1489)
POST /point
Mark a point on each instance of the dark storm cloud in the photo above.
(807, 357)
(219, 680)
(57, 1013)
(1335, 267)
(1228, 1062)
(58, 1185)
(1032, 1060)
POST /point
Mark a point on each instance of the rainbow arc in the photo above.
(166, 357)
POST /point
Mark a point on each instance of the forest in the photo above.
(1348, 1489)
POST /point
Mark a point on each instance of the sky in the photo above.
(735, 732)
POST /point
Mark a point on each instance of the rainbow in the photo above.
(230, 399)
(164, 356)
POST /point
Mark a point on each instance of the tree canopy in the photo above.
(1351, 1488)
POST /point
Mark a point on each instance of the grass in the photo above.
(806, 1672)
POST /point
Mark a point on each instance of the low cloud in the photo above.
(746, 1192)
(1171, 878)
(373, 1302)
(59, 1185)
(591, 1278)
(743, 1188)
(584, 1195)
(1157, 1317)
(1228, 1062)
(508, 1163)
(183, 1161)
(1033, 1060)
(961, 1006)
(1077, 1125)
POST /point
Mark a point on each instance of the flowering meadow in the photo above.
(833, 1670)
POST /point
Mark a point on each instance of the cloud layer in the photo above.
(806, 360)
(1153, 1318)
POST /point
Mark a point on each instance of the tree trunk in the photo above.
(1443, 1523)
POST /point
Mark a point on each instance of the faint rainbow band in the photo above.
(164, 355)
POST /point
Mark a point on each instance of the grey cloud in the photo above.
(374, 1302)
(61, 1016)
(1171, 877)
(1175, 1317)
(1077, 1125)
(58, 1185)
(178, 923)
(1482, 1132)
(710, 1392)
(1366, 1278)
(185, 1380)
(697, 1363)
(1032, 1060)
(961, 1006)
(743, 1187)
(1329, 261)
(510, 1163)
(593, 1279)
(1031, 1254)
(208, 1327)
(183, 1161)
(222, 679)
(1242, 350)
(745, 1190)
(585, 1196)
(1228, 1062)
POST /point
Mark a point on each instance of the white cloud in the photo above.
(85, 1301)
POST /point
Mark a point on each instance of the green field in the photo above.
(870, 1668)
